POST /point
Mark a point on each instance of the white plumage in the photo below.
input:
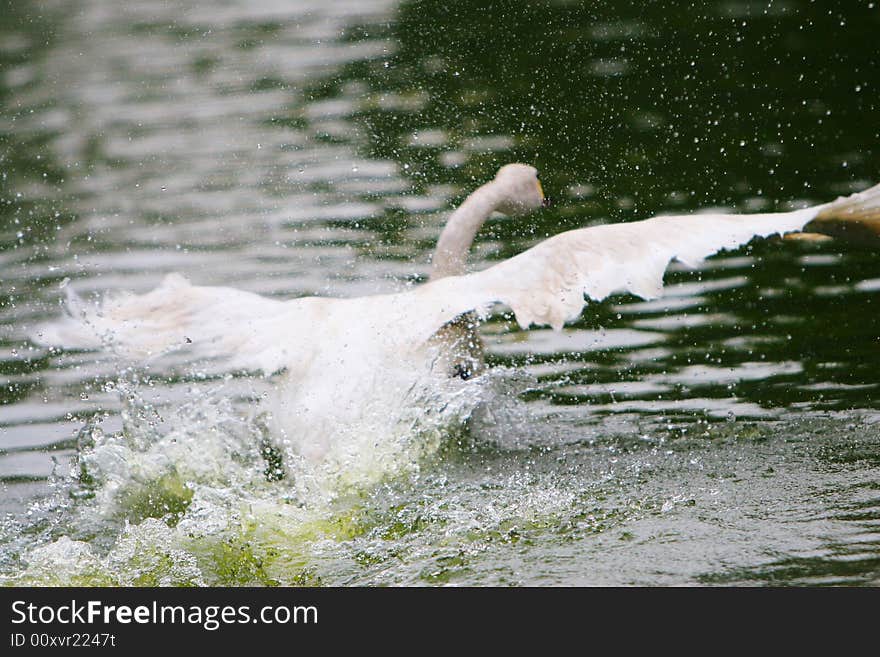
(333, 349)
(545, 285)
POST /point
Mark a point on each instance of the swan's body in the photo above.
(336, 353)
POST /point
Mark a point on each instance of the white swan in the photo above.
(336, 352)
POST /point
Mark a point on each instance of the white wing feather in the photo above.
(240, 329)
(548, 283)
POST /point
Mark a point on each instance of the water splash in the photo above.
(203, 492)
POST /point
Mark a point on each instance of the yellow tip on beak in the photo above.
(545, 202)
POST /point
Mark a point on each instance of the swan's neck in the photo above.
(458, 235)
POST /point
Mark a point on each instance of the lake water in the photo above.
(728, 433)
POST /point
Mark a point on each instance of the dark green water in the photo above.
(727, 433)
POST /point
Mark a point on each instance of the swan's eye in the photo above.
(462, 371)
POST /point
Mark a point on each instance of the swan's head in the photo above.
(518, 188)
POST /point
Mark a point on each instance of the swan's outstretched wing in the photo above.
(238, 329)
(548, 283)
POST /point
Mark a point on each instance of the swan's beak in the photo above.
(545, 202)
